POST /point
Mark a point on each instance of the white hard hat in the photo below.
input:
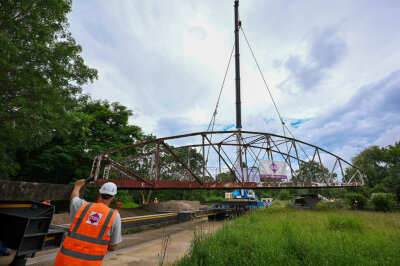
(108, 188)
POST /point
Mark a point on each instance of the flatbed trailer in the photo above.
(236, 207)
(26, 226)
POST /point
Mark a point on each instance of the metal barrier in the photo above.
(26, 228)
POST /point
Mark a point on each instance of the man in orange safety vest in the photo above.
(95, 228)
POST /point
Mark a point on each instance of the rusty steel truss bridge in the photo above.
(209, 160)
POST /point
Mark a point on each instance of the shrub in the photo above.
(378, 188)
(352, 197)
(287, 204)
(345, 223)
(284, 195)
(215, 198)
(383, 202)
(325, 206)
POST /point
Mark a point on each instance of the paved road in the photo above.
(144, 248)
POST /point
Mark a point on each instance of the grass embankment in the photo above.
(281, 236)
(130, 205)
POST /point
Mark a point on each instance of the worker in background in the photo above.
(48, 202)
(118, 204)
(155, 200)
(269, 203)
(95, 228)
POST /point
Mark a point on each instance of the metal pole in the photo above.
(203, 148)
(237, 83)
(219, 160)
(237, 68)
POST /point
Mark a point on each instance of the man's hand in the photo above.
(77, 186)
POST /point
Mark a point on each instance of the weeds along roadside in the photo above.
(283, 236)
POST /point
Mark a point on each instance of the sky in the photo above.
(333, 67)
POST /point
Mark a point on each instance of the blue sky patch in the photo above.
(228, 127)
(297, 123)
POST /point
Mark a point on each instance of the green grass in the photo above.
(215, 198)
(345, 223)
(281, 236)
(129, 205)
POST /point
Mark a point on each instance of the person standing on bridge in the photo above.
(95, 228)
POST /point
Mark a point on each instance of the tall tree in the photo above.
(392, 164)
(381, 165)
(41, 74)
(66, 157)
(370, 161)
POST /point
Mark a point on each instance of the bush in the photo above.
(326, 206)
(378, 188)
(286, 204)
(345, 223)
(215, 198)
(383, 202)
(284, 195)
(352, 197)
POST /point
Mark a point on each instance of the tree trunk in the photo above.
(145, 201)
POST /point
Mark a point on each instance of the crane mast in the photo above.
(237, 84)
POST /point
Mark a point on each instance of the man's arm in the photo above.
(77, 187)
(115, 233)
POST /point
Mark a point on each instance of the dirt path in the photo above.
(143, 248)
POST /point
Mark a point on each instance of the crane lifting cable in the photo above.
(270, 94)
(212, 122)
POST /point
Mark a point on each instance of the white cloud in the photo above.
(389, 137)
(166, 61)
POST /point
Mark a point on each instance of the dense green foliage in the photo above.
(383, 202)
(351, 198)
(279, 236)
(69, 156)
(41, 74)
(284, 195)
(381, 166)
(311, 172)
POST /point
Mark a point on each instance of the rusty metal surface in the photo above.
(16, 190)
(167, 185)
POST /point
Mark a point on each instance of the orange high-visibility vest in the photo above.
(87, 239)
